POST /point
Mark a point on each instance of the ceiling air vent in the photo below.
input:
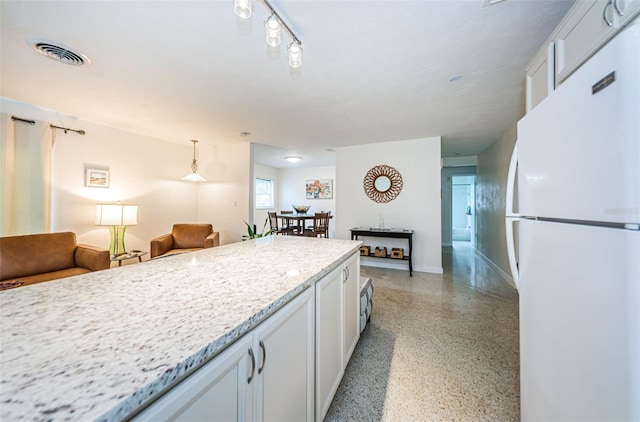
(59, 52)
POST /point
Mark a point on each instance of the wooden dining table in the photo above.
(300, 220)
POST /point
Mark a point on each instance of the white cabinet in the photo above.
(288, 368)
(587, 27)
(337, 329)
(351, 299)
(219, 391)
(266, 375)
(329, 349)
(540, 76)
(285, 345)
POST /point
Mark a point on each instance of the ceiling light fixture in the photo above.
(292, 159)
(273, 28)
(242, 8)
(194, 176)
(295, 54)
(272, 31)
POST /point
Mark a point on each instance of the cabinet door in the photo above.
(540, 77)
(351, 295)
(219, 391)
(583, 34)
(284, 346)
(329, 340)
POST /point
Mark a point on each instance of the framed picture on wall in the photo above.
(96, 178)
(319, 189)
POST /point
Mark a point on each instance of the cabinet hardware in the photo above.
(253, 366)
(604, 13)
(264, 357)
(616, 5)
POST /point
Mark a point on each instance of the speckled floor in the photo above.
(438, 347)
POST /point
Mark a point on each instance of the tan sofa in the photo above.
(185, 238)
(42, 257)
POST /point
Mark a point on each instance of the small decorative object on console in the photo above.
(380, 251)
(397, 253)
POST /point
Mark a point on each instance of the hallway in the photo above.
(438, 347)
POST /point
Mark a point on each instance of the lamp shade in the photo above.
(116, 215)
(194, 177)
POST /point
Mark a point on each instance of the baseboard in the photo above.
(499, 270)
(401, 265)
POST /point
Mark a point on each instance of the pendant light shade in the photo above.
(242, 8)
(295, 55)
(194, 176)
(272, 31)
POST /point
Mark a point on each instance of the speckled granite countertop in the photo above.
(100, 345)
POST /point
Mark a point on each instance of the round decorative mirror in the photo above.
(382, 183)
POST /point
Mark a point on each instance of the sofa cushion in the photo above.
(187, 236)
(22, 256)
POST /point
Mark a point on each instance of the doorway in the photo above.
(463, 215)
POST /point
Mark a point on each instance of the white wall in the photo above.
(144, 171)
(225, 199)
(491, 183)
(417, 207)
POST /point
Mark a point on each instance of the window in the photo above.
(264, 193)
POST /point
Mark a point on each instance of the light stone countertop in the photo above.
(101, 345)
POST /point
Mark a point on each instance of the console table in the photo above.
(373, 232)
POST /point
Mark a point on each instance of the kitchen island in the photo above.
(103, 345)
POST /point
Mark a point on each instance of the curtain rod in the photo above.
(80, 132)
(31, 122)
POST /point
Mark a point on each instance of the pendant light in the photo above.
(194, 176)
(272, 31)
(242, 8)
(295, 54)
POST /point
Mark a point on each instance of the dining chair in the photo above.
(320, 226)
(288, 224)
(273, 223)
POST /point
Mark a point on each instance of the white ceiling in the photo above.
(373, 71)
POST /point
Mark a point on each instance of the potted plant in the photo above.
(252, 233)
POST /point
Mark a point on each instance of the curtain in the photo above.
(25, 166)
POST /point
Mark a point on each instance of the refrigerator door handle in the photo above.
(511, 183)
(511, 250)
(511, 216)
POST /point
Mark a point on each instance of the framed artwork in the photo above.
(96, 178)
(319, 189)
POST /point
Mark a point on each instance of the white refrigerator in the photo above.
(577, 217)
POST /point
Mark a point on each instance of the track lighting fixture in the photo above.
(273, 29)
(242, 8)
(295, 54)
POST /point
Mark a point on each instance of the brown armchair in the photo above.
(35, 258)
(185, 238)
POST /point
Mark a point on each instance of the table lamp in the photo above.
(117, 217)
